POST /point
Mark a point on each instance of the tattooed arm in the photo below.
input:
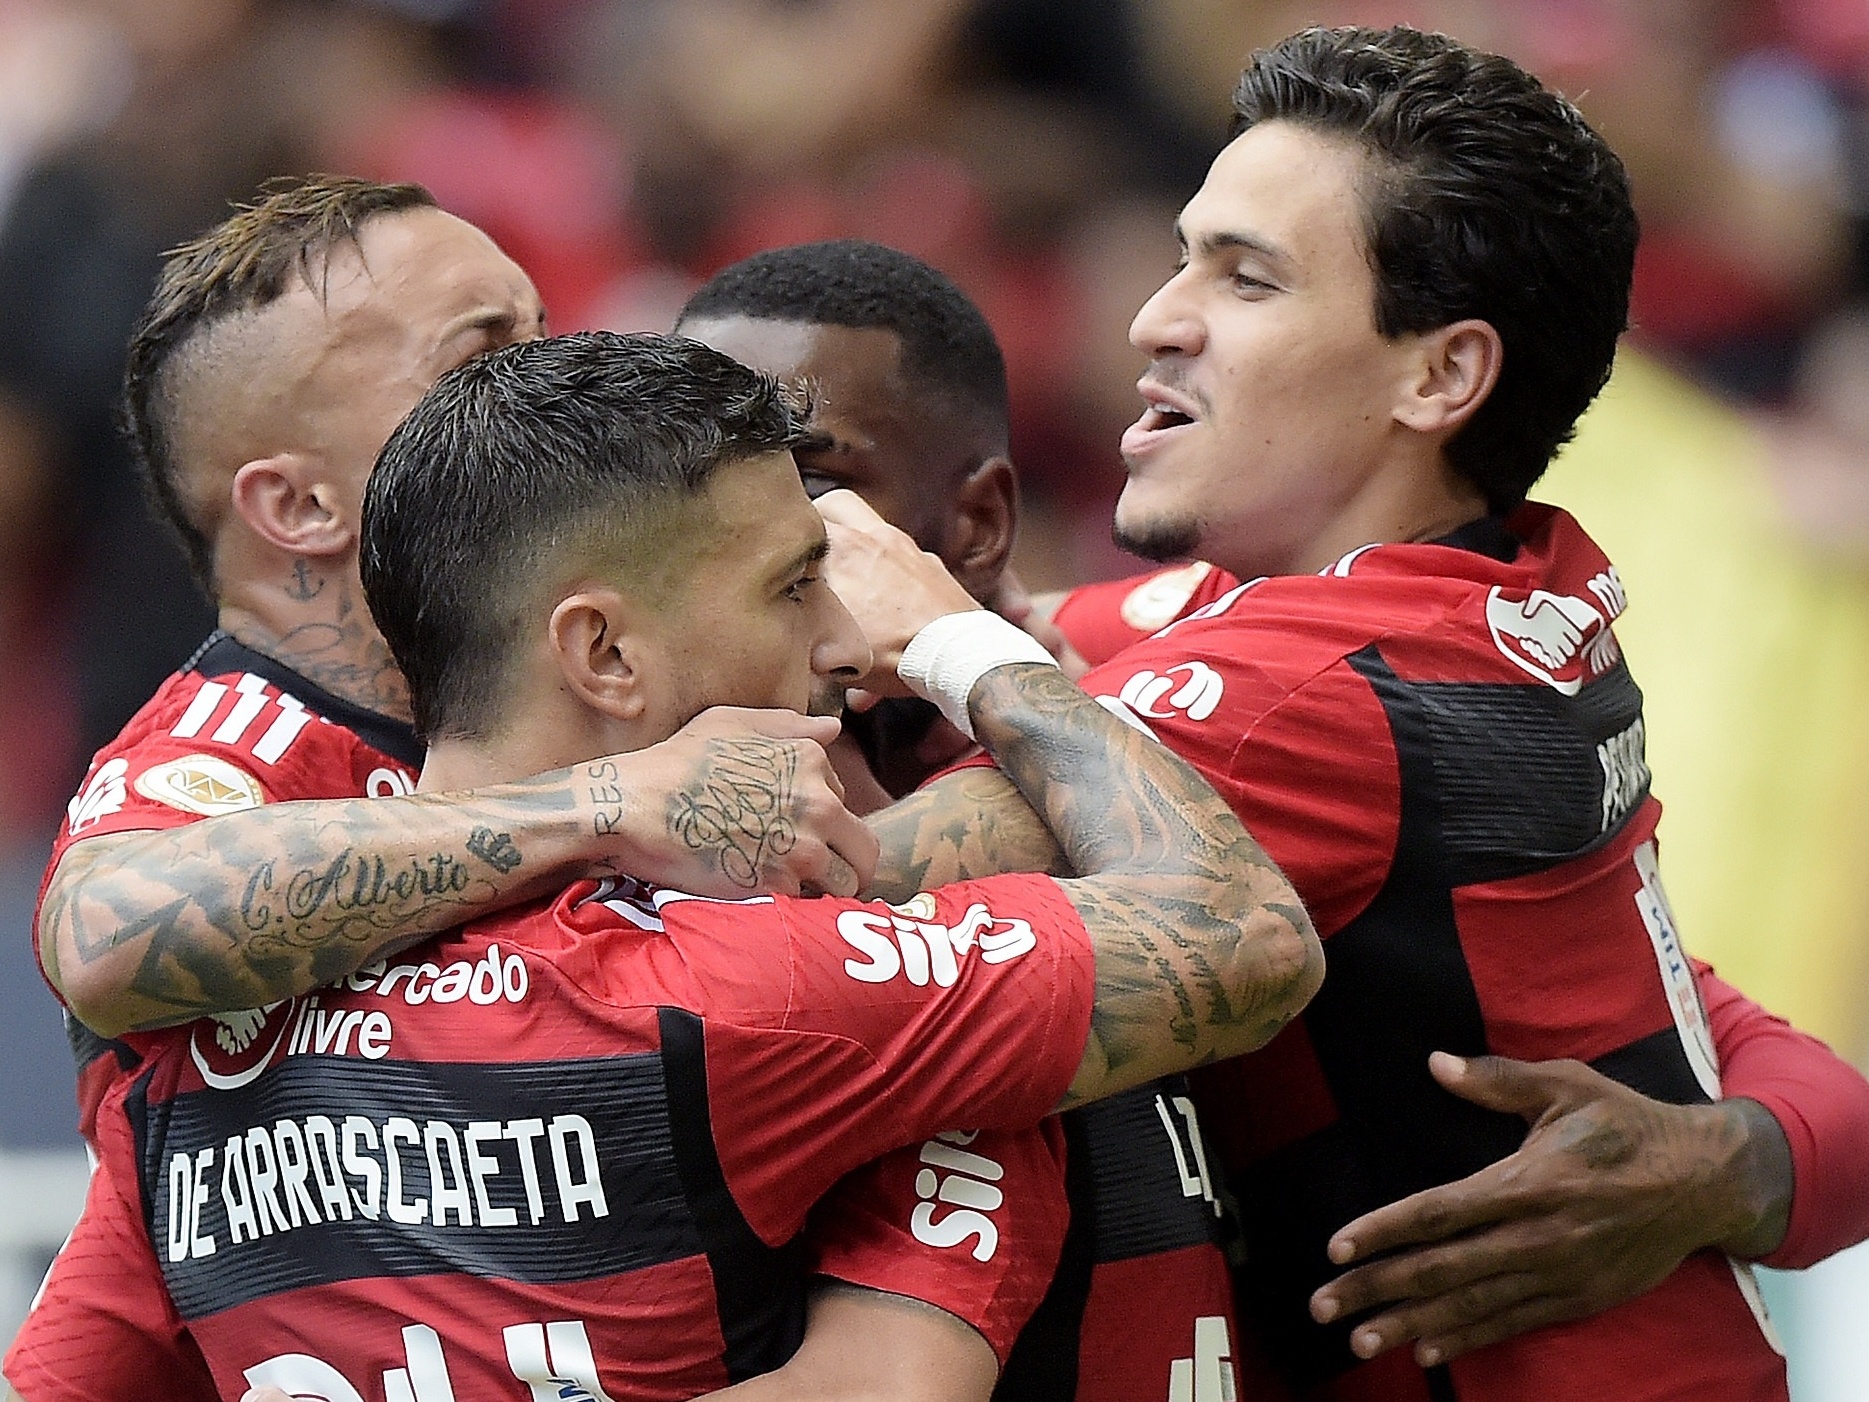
(145, 929)
(1203, 950)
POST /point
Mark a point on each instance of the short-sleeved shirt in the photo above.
(1441, 746)
(1141, 1293)
(232, 729)
(584, 1136)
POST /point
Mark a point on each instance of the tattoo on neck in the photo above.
(734, 813)
(304, 586)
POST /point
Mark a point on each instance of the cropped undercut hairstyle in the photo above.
(1489, 197)
(949, 351)
(249, 260)
(534, 458)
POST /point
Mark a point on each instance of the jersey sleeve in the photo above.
(838, 1030)
(1100, 620)
(1302, 753)
(102, 1328)
(204, 748)
(1821, 1103)
(969, 1222)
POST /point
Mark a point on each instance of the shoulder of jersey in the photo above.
(238, 713)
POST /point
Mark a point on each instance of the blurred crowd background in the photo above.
(1036, 150)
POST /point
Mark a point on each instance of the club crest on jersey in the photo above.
(104, 795)
(203, 784)
(230, 1050)
(1159, 599)
(1561, 639)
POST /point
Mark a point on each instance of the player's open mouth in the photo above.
(1164, 411)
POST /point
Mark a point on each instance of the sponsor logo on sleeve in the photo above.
(103, 795)
(906, 942)
(203, 784)
(1191, 689)
(385, 782)
(958, 1196)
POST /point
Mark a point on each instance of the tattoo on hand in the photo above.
(735, 813)
(496, 849)
(607, 794)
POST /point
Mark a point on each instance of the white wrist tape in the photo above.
(945, 661)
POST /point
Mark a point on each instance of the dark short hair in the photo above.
(242, 264)
(518, 459)
(1490, 197)
(948, 349)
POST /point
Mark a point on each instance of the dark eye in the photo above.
(817, 483)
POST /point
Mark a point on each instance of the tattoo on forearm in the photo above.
(735, 813)
(496, 849)
(232, 914)
(1186, 908)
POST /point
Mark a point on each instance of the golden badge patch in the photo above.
(200, 784)
(1158, 600)
(920, 906)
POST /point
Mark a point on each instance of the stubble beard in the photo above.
(1163, 540)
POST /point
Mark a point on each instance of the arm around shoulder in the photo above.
(147, 928)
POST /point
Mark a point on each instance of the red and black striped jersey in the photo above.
(577, 1144)
(1441, 746)
(232, 729)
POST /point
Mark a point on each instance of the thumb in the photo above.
(775, 723)
(1528, 1088)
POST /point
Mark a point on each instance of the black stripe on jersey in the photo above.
(223, 653)
(1124, 1176)
(758, 1288)
(1142, 1205)
(1399, 988)
(86, 1047)
(1043, 1364)
(295, 1164)
(1657, 1066)
(1521, 770)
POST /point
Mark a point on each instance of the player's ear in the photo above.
(601, 659)
(1455, 370)
(290, 504)
(978, 540)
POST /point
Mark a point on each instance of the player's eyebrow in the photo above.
(501, 320)
(1221, 240)
(804, 559)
